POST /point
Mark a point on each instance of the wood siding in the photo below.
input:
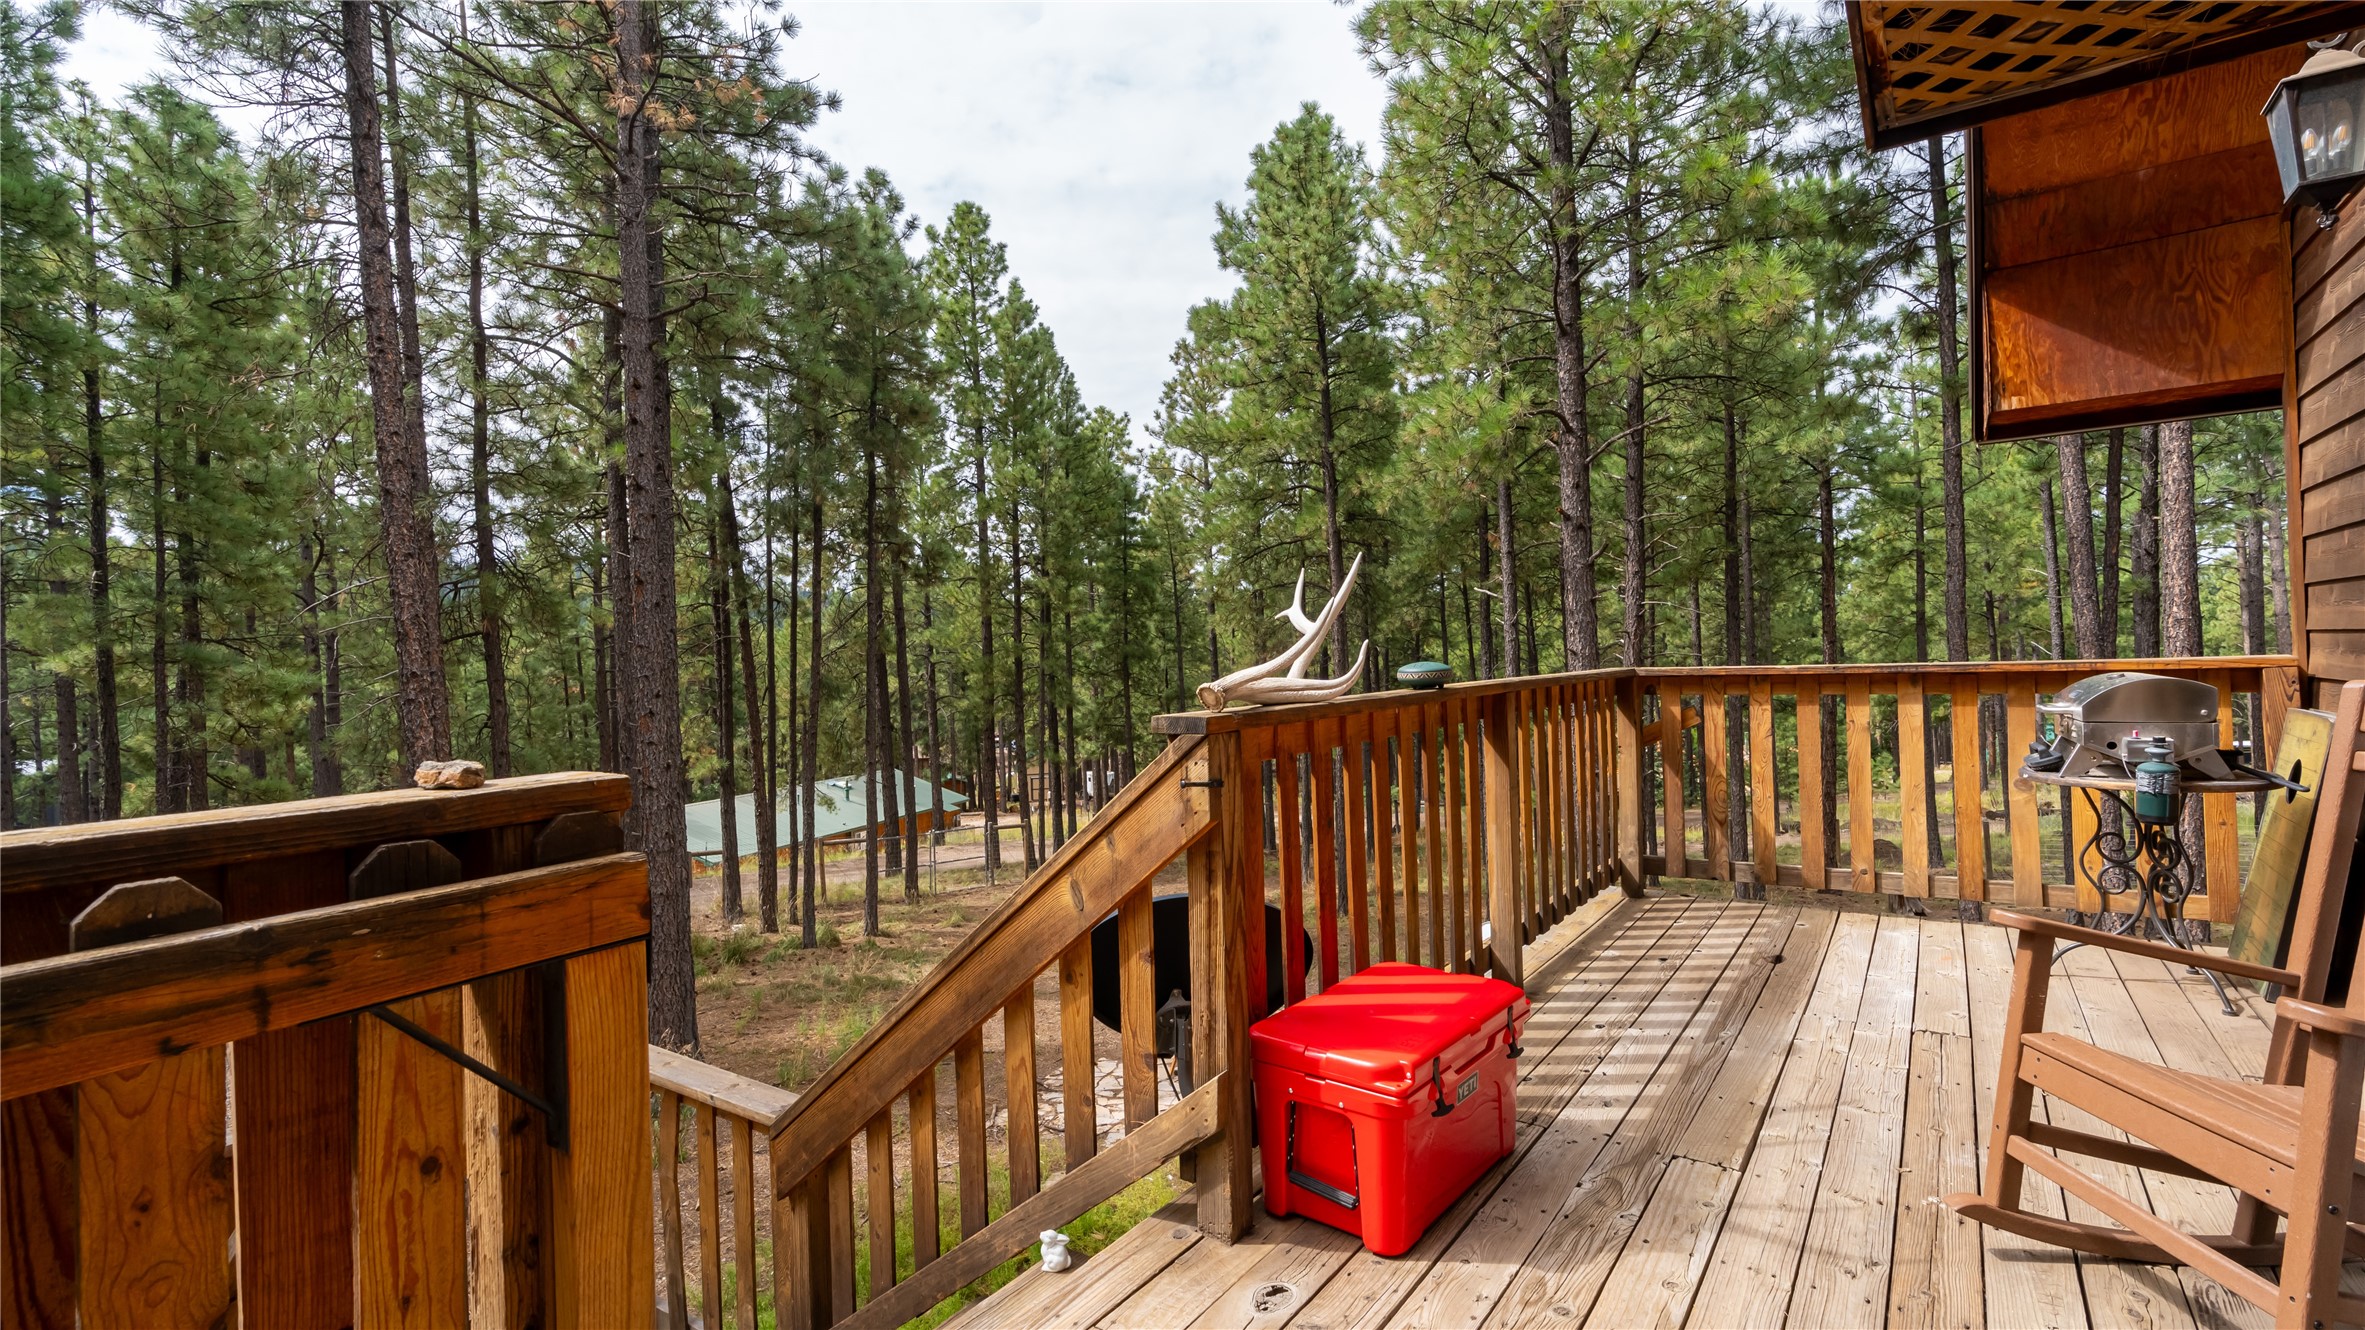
(2325, 430)
(2127, 252)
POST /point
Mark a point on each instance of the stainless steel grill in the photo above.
(2102, 724)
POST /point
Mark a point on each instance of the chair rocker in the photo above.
(2289, 1146)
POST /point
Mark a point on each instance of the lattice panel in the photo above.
(1927, 58)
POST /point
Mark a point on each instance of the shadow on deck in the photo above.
(1731, 1115)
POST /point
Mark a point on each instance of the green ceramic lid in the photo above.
(1425, 674)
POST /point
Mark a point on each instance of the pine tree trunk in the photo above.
(1326, 420)
(874, 747)
(652, 678)
(2051, 527)
(989, 785)
(167, 798)
(480, 414)
(1827, 545)
(1633, 575)
(2278, 566)
(108, 803)
(1067, 694)
(316, 733)
(195, 764)
(8, 718)
(603, 700)
(761, 752)
(935, 712)
(332, 684)
(1573, 443)
(2144, 557)
(620, 637)
(2077, 508)
(718, 597)
(812, 774)
(902, 757)
(2114, 484)
(72, 804)
(1507, 574)
(1018, 717)
(404, 486)
(1950, 412)
(2180, 562)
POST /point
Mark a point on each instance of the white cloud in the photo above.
(1099, 137)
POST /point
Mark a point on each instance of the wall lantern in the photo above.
(2314, 119)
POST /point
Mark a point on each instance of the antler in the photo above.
(1283, 678)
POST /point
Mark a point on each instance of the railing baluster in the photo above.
(1764, 797)
(838, 1195)
(2020, 730)
(927, 1184)
(1287, 810)
(1018, 1079)
(669, 1207)
(1322, 757)
(1970, 818)
(1138, 1005)
(1433, 801)
(878, 1166)
(1408, 801)
(1384, 770)
(1715, 781)
(1862, 873)
(2221, 874)
(1913, 775)
(1078, 1105)
(1358, 729)
(1249, 871)
(1458, 843)
(743, 1185)
(969, 1127)
(1814, 856)
(710, 1220)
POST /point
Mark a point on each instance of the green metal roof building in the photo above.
(841, 806)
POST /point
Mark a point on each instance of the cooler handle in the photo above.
(1343, 1199)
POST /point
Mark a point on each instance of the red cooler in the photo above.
(1380, 1101)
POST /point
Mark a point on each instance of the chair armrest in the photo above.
(2135, 946)
(2317, 1016)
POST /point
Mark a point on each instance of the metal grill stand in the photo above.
(2154, 866)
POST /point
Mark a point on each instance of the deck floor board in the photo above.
(1733, 1115)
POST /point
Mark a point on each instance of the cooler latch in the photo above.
(1345, 1200)
(1511, 1033)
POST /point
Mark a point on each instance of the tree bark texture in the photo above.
(653, 679)
(405, 493)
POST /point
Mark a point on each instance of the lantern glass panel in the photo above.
(2327, 123)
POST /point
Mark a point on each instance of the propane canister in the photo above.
(2155, 785)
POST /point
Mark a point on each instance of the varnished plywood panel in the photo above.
(2164, 327)
(2194, 114)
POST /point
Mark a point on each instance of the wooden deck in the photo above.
(1731, 1115)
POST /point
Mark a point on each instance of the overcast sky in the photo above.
(1099, 136)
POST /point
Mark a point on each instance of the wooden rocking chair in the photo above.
(2289, 1146)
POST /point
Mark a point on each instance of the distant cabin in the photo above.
(841, 808)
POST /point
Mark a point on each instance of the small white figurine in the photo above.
(1055, 1250)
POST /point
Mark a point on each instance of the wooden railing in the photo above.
(1451, 827)
(230, 1087)
(722, 1107)
(1814, 791)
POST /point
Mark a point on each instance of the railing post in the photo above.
(1502, 856)
(1628, 813)
(1220, 1014)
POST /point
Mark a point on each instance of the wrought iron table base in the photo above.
(2160, 882)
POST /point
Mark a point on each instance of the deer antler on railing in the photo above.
(1283, 678)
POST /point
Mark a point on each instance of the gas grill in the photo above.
(2103, 725)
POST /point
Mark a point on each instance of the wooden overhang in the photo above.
(2128, 258)
(1925, 69)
